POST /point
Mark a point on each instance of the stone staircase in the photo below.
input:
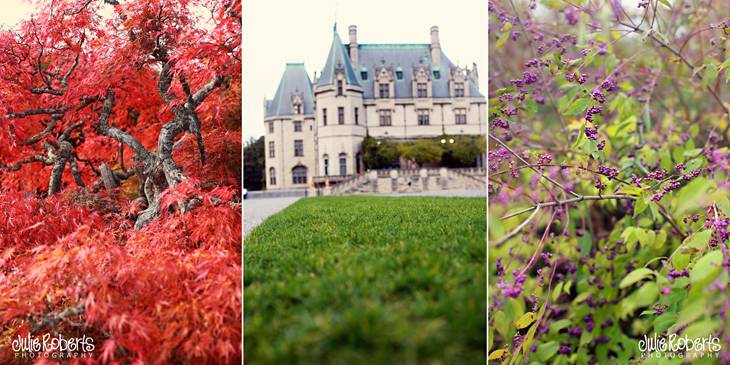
(411, 181)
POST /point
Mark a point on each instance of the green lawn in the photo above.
(367, 280)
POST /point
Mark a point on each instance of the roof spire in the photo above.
(334, 28)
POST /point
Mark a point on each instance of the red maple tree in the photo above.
(120, 160)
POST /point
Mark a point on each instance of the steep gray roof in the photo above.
(295, 80)
(338, 57)
(404, 56)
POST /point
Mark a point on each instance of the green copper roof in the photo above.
(337, 59)
(295, 80)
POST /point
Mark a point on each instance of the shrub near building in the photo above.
(463, 152)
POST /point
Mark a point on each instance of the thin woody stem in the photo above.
(548, 178)
(518, 229)
(561, 166)
(580, 198)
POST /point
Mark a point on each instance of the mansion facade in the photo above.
(314, 129)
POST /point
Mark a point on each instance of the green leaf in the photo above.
(706, 268)
(581, 297)
(664, 321)
(502, 39)
(547, 350)
(556, 326)
(556, 291)
(531, 106)
(640, 206)
(531, 332)
(578, 106)
(635, 276)
(699, 240)
(505, 90)
(525, 320)
(661, 239)
(692, 153)
(666, 3)
(692, 196)
(680, 261)
(710, 75)
(702, 328)
(497, 354)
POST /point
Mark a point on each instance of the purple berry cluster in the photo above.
(610, 172)
(591, 132)
(673, 274)
(512, 290)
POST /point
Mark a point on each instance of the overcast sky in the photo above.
(279, 31)
(11, 11)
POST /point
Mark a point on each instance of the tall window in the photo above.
(326, 165)
(384, 90)
(339, 87)
(324, 116)
(423, 117)
(271, 127)
(343, 164)
(298, 148)
(384, 116)
(272, 176)
(271, 149)
(340, 115)
(297, 126)
(460, 116)
(357, 117)
(459, 89)
(297, 108)
(422, 88)
(299, 175)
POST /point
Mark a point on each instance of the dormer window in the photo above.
(384, 82)
(458, 80)
(422, 88)
(339, 87)
(459, 89)
(364, 74)
(436, 74)
(399, 74)
(296, 103)
(421, 82)
(384, 91)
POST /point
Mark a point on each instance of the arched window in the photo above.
(343, 164)
(299, 175)
(326, 165)
(272, 176)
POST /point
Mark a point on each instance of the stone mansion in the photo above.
(314, 129)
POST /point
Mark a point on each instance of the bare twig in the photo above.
(519, 228)
(580, 198)
(548, 178)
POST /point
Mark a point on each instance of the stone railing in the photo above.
(409, 180)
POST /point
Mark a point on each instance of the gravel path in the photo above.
(256, 211)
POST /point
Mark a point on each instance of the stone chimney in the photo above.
(474, 74)
(353, 44)
(435, 47)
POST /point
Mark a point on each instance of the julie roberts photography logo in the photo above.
(677, 346)
(53, 347)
